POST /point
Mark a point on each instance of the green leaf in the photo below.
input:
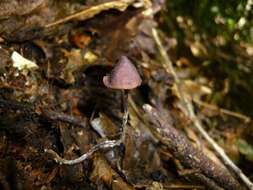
(245, 149)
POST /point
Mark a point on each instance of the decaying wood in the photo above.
(183, 150)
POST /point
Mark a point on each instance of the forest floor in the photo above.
(54, 106)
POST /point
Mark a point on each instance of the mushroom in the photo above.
(125, 77)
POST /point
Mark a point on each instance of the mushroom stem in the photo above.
(125, 113)
(125, 107)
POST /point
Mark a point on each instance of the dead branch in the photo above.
(183, 150)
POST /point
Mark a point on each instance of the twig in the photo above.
(222, 110)
(197, 123)
(103, 145)
(94, 10)
(183, 187)
(186, 153)
(57, 116)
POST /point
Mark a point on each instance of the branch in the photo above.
(184, 151)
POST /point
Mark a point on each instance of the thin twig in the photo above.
(94, 10)
(197, 123)
(58, 116)
(103, 145)
(222, 110)
(179, 186)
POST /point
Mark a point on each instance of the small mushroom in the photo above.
(125, 77)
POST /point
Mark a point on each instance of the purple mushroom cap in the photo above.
(123, 76)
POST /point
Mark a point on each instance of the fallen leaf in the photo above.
(22, 63)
